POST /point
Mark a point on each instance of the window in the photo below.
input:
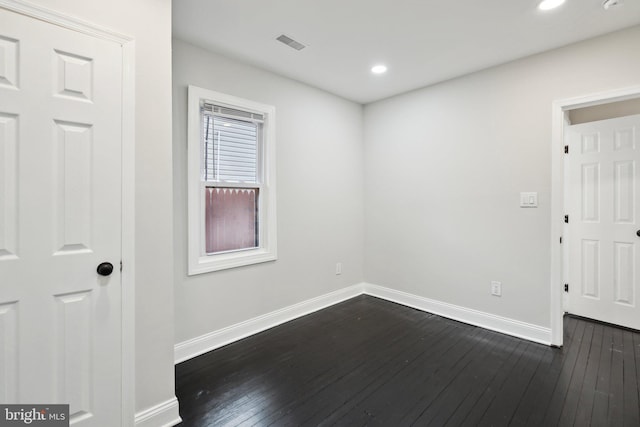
(231, 181)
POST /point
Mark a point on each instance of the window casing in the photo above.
(231, 181)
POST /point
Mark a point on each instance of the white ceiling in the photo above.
(421, 41)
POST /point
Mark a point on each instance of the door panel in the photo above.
(624, 273)
(603, 210)
(9, 59)
(591, 192)
(60, 216)
(73, 350)
(590, 268)
(8, 185)
(9, 352)
(72, 196)
(623, 192)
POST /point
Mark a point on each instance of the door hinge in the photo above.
(566, 287)
(566, 219)
(120, 266)
(566, 149)
(560, 239)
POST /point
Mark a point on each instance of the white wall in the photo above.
(319, 197)
(444, 167)
(149, 23)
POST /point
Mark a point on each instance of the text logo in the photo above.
(34, 415)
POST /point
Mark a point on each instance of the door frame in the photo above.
(128, 182)
(559, 116)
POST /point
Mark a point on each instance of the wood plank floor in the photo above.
(371, 362)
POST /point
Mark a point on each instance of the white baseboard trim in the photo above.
(216, 339)
(165, 414)
(492, 322)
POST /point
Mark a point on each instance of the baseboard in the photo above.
(492, 322)
(165, 414)
(216, 339)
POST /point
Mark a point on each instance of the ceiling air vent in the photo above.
(290, 42)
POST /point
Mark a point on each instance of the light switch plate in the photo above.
(496, 288)
(529, 200)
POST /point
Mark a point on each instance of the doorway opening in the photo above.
(581, 110)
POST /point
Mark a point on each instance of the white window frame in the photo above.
(199, 260)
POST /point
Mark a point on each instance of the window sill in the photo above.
(224, 261)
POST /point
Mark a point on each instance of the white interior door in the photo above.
(604, 209)
(60, 217)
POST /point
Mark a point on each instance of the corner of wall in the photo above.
(489, 321)
(221, 337)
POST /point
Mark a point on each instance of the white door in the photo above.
(604, 217)
(60, 217)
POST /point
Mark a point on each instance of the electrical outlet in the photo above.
(496, 289)
(338, 268)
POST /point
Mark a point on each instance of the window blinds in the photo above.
(230, 144)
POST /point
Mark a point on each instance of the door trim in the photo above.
(559, 111)
(128, 181)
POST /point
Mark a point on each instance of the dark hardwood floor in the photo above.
(371, 362)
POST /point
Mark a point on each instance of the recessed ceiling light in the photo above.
(549, 4)
(379, 69)
(608, 4)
